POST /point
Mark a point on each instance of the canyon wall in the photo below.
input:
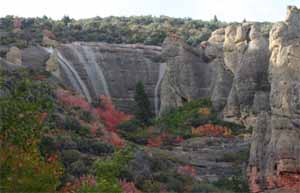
(275, 153)
(95, 69)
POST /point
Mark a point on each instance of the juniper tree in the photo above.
(142, 104)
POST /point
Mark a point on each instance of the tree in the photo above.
(215, 19)
(142, 104)
(66, 20)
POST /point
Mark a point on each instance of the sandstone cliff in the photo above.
(187, 75)
(95, 69)
(275, 152)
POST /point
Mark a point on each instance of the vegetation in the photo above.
(137, 29)
(24, 108)
(142, 104)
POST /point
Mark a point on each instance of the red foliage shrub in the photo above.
(116, 140)
(48, 34)
(78, 183)
(157, 141)
(129, 187)
(107, 112)
(17, 23)
(68, 99)
(41, 117)
(178, 139)
(187, 170)
(211, 130)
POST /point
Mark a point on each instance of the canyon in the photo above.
(251, 80)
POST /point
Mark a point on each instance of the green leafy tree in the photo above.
(142, 105)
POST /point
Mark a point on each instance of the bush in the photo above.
(84, 131)
(65, 142)
(86, 116)
(26, 171)
(72, 124)
(234, 184)
(108, 171)
(70, 156)
(151, 186)
(101, 148)
(47, 145)
(78, 168)
(94, 146)
(130, 126)
(208, 188)
(178, 121)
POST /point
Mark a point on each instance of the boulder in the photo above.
(14, 55)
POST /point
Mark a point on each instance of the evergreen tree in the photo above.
(142, 104)
(215, 19)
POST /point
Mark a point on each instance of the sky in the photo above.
(225, 10)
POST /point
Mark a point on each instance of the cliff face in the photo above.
(95, 69)
(275, 152)
(246, 55)
(187, 75)
(254, 82)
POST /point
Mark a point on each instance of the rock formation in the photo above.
(223, 78)
(14, 56)
(246, 55)
(187, 75)
(95, 69)
(275, 152)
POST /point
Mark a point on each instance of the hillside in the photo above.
(149, 104)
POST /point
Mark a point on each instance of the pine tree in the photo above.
(142, 104)
(215, 19)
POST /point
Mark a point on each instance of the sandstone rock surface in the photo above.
(275, 152)
(14, 55)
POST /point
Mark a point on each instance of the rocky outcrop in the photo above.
(275, 152)
(187, 75)
(95, 69)
(246, 55)
(34, 57)
(223, 78)
(14, 55)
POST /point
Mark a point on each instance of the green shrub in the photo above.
(130, 126)
(209, 188)
(100, 148)
(150, 186)
(237, 157)
(179, 121)
(108, 171)
(65, 142)
(70, 156)
(47, 145)
(234, 184)
(86, 116)
(72, 124)
(93, 146)
(84, 131)
(78, 168)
